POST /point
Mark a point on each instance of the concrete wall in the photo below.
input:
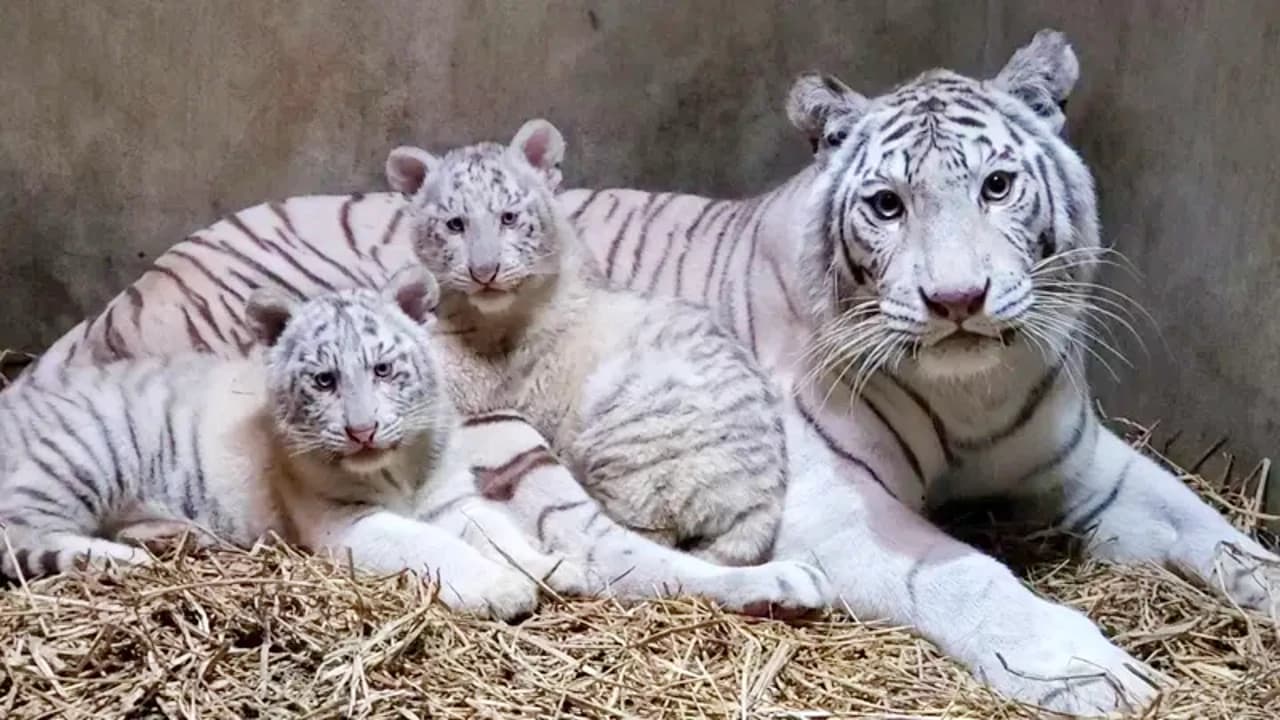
(125, 124)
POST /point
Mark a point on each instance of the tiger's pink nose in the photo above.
(363, 435)
(483, 273)
(956, 305)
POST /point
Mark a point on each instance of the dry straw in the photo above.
(271, 633)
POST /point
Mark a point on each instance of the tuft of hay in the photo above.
(273, 633)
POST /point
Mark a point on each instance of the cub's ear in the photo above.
(408, 167)
(824, 109)
(269, 312)
(1042, 75)
(414, 290)
(542, 146)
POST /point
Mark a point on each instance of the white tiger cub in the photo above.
(329, 443)
(660, 411)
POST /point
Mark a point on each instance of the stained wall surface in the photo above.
(124, 125)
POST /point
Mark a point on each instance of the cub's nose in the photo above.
(364, 434)
(956, 305)
(483, 273)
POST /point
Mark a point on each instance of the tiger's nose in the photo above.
(363, 434)
(483, 273)
(956, 305)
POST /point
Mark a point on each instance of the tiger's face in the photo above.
(952, 229)
(483, 215)
(350, 374)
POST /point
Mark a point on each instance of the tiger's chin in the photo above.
(367, 461)
(962, 356)
(492, 302)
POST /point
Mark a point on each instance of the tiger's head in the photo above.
(952, 230)
(484, 216)
(350, 374)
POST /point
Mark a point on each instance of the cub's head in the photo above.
(951, 225)
(350, 374)
(484, 216)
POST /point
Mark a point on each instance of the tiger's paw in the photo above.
(782, 589)
(1064, 664)
(570, 578)
(1249, 576)
(499, 593)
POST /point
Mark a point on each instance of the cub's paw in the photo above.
(498, 593)
(780, 589)
(571, 578)
(556, 571)
(1250, 577)
(109, 557)
(1064, 664)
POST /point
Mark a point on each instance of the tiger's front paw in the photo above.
(499, 593)
(572, 578)
(779, 589)
(1063, 663)
(1249, 576)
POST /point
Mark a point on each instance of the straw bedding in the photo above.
(272, 633)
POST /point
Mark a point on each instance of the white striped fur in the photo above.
(862, 470)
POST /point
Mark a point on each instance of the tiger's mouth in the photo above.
(491, 298)
(962, 339)
(368, 458)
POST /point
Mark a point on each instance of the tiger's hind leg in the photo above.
(686, 443)
(48, 523)
(43, 554)
(553, 508)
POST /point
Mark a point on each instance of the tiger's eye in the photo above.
(455, 224)
(997, 186)
(508, 219)
(382, 369)
(886, 204)
(324, 380)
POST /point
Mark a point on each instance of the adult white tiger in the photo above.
(948, 201)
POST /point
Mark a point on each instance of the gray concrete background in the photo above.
(125, 124)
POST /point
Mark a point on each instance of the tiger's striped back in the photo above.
(192, 298)
(713, 252)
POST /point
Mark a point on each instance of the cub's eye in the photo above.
(835, 138)
(886, 204)
(382, 369)
(455, 224)
(997, 186)
(324, 380)
(508, 219)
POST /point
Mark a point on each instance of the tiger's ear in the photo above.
(415, 291)
(269, 312)
(408, 167)
(1042, 75)
(824, 109)
(542, 146)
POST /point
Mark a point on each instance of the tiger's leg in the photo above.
(487, 525)
(515, 472)
(686, 445)
(1132, 510)
(386, 542)
(49, 553)
(48, 523)
(563, 517)
(887, 562)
